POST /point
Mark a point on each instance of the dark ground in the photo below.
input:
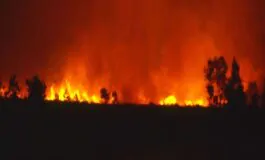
(71, 131)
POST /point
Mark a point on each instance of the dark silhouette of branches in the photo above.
(222, 90)
(104, 95)
(215, 74)
(234, 90)
(36, 89)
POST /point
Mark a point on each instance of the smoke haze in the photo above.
(150, 47)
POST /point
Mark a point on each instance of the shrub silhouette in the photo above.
(13, 88)
(36, 89)
(104, 95)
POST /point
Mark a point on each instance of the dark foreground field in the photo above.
(71, 131)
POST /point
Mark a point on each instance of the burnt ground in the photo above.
(79, 131)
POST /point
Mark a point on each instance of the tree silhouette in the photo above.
(215, 74)
(36, 89)
(235, 91)
(13, 88)
(253, 95)
(114, 97)
(104, 95)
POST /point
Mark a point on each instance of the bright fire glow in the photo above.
(172, 100)
(68, 93)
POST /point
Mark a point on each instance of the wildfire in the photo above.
(68, 93)
(172, 100)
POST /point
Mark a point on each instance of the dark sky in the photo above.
(133, 39)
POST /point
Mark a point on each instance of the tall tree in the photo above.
(215, 74)
(235, 91)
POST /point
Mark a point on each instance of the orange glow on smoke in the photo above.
(149, 51)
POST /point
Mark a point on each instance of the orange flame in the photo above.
(172, 100)
(68, 93)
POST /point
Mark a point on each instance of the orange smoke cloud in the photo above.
(146, 50)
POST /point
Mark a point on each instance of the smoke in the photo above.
(152, 47)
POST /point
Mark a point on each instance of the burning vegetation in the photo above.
(222, 89)
(133, 51)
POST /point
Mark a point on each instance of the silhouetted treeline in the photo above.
(224, 89)
(36, 92)
(228, 91)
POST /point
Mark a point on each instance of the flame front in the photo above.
(172, 100)
(149, 51)
(65, 92)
